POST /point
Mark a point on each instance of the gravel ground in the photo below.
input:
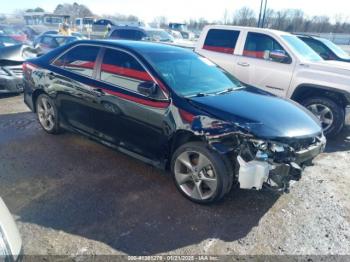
(72, 196)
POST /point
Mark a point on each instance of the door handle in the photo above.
(244, 64)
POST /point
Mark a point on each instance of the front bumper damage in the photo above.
(260, 163)
(276, 174)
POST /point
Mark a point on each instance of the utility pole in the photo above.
(261, 5)
(263, 20)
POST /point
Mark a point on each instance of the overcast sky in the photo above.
(179, 10)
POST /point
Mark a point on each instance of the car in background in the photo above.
(5, 40)
(325, 48)
(11, 73)
(100, 25)
(176, 110)
(140, 34)
(10, 239)
(46, 43)
(282, 64)
(14, 33)
(78, 35)
(182, 29)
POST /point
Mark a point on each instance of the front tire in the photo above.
(200, 173)
(47, 114)
(330, 114)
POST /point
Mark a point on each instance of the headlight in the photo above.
(4, 247)
(3, 72)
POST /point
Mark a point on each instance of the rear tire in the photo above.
(200, 174)
(47, 114)
(328, 112)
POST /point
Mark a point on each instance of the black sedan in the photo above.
(176, 110)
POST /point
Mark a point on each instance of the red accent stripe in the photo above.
(140, 75)
(226, 50)
(256, 54)
(142, 101)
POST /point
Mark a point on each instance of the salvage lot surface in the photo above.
(72, 196)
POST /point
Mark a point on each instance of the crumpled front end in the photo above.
(274, 165)
(260, 162)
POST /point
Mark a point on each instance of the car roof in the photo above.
(60, 36)
(257, 29)
(141, 28)
(137, 46)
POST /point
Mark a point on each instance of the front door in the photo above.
(254, 66)
(128, 118)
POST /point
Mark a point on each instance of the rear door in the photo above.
(73, 81)
(254, 67)
(219, 46)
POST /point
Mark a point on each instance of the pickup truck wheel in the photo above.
(47, 114)
(200, 173)
(328, 112)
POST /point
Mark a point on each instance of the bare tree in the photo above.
(73, 10)
(244, 17)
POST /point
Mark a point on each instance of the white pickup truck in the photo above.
(282, 64)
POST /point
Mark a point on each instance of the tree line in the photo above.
(290, 20)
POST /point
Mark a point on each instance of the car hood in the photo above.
(330, 66)
(264, 116)
(12, 53)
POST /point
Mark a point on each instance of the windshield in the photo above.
(159, 35)
(189, 74)
(302, 49)
(336, 49)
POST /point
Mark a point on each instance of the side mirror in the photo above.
(147, 88)
(278, 56)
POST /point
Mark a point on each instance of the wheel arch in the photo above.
(35, 96)
(179, 138)
(308, 90)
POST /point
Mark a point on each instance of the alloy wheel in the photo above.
(46, 114)
(323, 113)
(195, 175)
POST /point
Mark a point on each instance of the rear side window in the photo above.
(123, 70)
(80, 60)
(128, 34)
(222, 41)
(257, 45)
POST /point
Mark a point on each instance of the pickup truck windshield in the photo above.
(189, 74)
(302, 49)
(336, 49)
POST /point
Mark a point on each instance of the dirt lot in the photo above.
(72, 196)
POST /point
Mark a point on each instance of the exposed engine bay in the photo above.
(260, 163)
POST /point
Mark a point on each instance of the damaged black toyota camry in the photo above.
(176, 110)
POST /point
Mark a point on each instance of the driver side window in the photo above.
(260, 46)
(120, 69)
